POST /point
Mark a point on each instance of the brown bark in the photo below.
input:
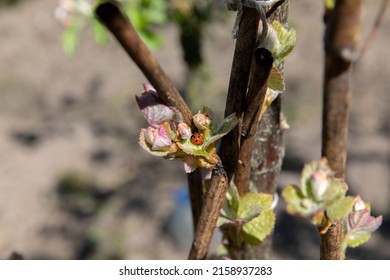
(341, 38)
(239, 76)
(268, 149)
(211, 209)
(258, 85)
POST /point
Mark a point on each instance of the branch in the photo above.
(124, 32)
(342, 31)
(214, 199)
(238, 83)
(268, 149)
(254, 102)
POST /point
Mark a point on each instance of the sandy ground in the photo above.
(74, 184)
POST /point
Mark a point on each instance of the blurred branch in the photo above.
(124, 32)
(341, 38)
(194, 180)
(377, 22)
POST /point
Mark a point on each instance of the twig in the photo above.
(214, 199)
(238, 83)
(254, 102)
(377, 22)
(124, 32)
(342, 29)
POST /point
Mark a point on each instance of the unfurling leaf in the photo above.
(255, 209)
(340, 209)
(318, 191)
(224, 128)
(169, 137)
(276, 80)
(287, 39)
(358, 226)
(253, 212)
(230, 206)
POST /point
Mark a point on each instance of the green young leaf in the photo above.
(319, 184)
(227, 124)
(287, 40)
(224, 128)
(358, 239)
(340, 209)
(297, 203)
(257, 229)
(276, 80)
(253, 200)
(335, 191)
(250, 213)
(255, 209)
(192, 149)
(232, 197)
(293, 196)
(222, 220)
(230, 206)
(360, 223)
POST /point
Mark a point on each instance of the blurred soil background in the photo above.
(74, 183)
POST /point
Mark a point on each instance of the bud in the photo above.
(158, 138)
(148, 87)
(319, 184)
(358, 204)
(153, 108)
(201, 121)
(184, 130)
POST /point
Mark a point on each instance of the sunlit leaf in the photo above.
(340, 209)
(287, 39)
(257, 229)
